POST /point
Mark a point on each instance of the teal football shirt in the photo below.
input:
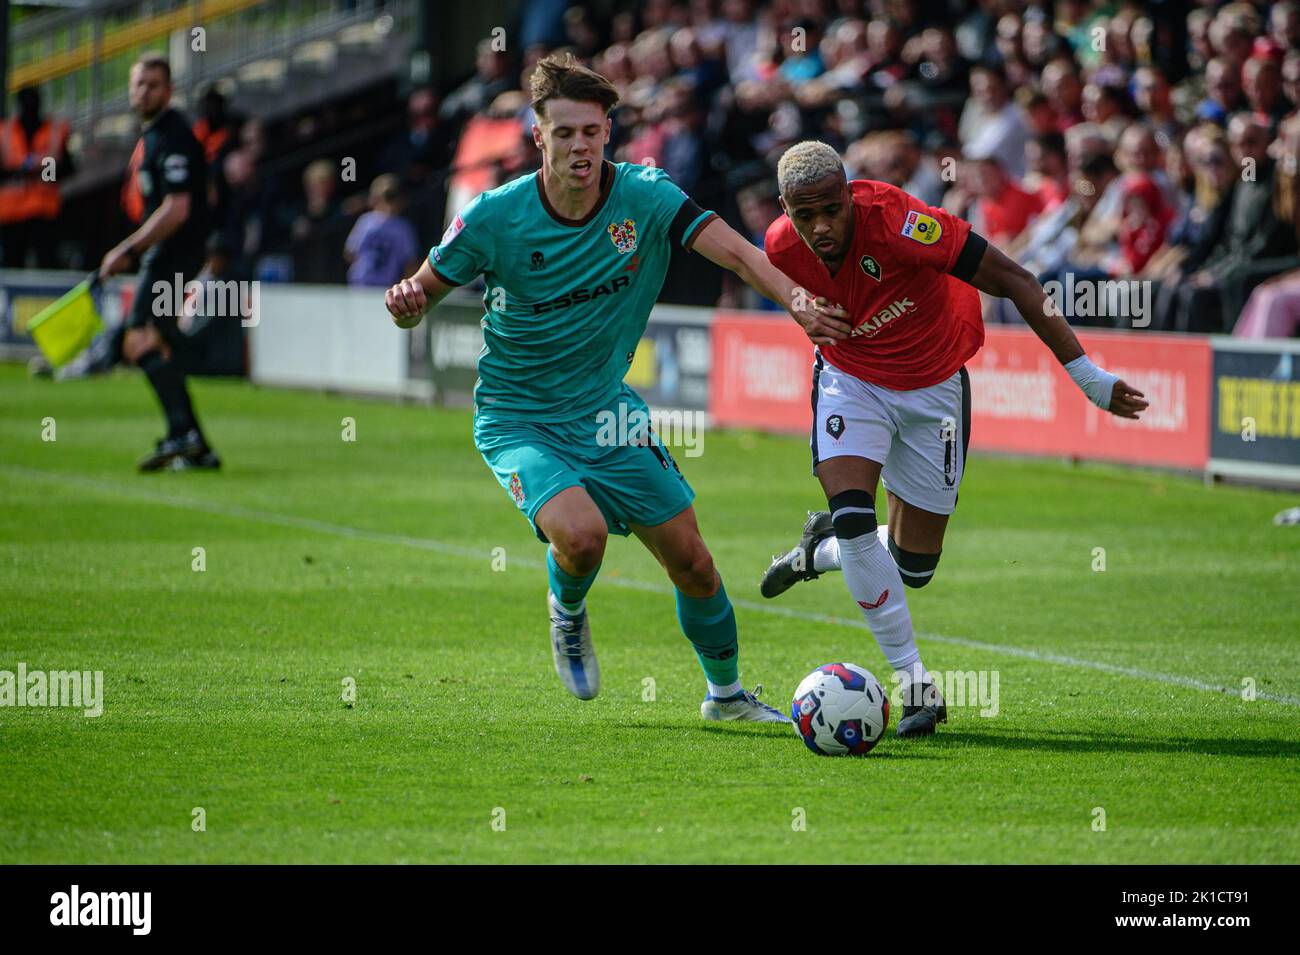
(567, 300)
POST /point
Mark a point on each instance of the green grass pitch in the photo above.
(1120, 690)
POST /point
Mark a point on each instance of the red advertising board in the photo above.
(1022, 400)
(762, 373)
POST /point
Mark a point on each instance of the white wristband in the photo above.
(1097, 383)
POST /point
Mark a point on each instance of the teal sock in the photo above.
(710, 624)
(568, 590)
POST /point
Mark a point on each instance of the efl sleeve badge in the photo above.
(922, 228)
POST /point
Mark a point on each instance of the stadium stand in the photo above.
(1107, 140)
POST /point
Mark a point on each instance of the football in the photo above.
(840, 709)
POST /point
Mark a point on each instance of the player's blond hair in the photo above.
(806, 163)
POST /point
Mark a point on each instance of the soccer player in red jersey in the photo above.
(890, 394)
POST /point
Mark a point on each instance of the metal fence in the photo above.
(80, 59)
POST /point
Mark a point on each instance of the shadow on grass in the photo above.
(888, 748)
(753, 730)
(1065, 741)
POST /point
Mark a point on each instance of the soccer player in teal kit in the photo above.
(574, 257)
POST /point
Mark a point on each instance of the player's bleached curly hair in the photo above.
(806, 163)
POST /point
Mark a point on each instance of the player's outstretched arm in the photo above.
(1001, 276)
(722, 245)
(410, 299)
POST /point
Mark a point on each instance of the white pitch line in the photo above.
(1035, 655)
(455, 550)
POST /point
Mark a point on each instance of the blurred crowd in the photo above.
(313, 221)
(1094, 140)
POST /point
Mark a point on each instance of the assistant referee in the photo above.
(169, 175)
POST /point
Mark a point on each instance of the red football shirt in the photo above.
(914, 324)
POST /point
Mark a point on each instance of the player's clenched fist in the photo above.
(407, 303)
(822, 321)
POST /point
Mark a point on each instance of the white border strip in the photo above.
(1229, 343)
(1258, 470)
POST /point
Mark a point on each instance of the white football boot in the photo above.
(575, 657)
(743, 706)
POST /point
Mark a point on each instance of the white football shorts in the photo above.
(919, 437)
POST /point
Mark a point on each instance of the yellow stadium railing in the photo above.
(122, 39)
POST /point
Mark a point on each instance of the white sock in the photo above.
(874, 581)
(826, 555)
(882, 534)
(722, 692)
(916, 673)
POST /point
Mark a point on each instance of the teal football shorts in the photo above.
(613, 454)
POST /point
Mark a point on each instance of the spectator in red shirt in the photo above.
(1049, 169)
(1144, 221)
(1002, 207)
(1039, 116)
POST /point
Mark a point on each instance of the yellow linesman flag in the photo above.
(62, 330)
